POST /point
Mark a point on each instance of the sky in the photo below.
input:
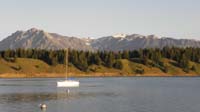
(98, 18)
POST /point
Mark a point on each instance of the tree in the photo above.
(118, 65)
(194, 68)
(184, 63)
(82, 65)
(73, 57)
(139, 71)
(7, 54)
(118, 55)
(125, 55)
(110, 60)
(145, 60)
(165, 69)
(97, 59)
(157, 56)
(29, 53)
(53, 58)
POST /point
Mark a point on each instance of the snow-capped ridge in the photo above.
(36, 38)
(119, 35)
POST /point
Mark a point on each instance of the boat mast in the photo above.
(66, 62)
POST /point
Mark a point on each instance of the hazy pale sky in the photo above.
(97, 18)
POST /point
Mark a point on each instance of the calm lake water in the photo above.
(102, 95)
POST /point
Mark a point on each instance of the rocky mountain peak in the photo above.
(33, 30)
(152, 36)
(36, 38)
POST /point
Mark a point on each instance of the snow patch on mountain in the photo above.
(119, 35)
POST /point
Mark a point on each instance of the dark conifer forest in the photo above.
(83, 59)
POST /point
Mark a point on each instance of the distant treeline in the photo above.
(83, 59)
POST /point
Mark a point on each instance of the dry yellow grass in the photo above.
(28, 68)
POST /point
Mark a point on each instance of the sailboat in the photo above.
(67, 82)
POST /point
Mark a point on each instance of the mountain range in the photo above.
(35, 38)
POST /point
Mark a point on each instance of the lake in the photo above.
(131, 94)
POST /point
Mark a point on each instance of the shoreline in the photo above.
(88, 75)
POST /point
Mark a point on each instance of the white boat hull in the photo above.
(68, 83)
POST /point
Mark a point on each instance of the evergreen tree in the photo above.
(7, 54)
(184, 63)
(53, 58)
(145, 60)
(97, 59)
(73, 57)
(82, 65)
(194, 68)
(109, 60)
(118, 65)
(134, 54)
(125, 55)
(118, 55)
(157, 57)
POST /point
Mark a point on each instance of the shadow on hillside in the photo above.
(174, 64)
(17, 68)
(137, 60)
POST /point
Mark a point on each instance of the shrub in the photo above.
(139, 71)
(194, 68)
(118, 65)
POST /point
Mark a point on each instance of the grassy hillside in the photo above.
(37, 68)
(26, 65)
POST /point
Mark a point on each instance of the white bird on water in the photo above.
(43, 106)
